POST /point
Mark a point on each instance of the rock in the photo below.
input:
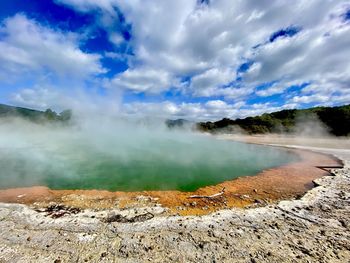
(325, 207)
(58, 210)
(123, 219)
(142, 198)
(258, 201)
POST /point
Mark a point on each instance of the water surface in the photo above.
(128, 161)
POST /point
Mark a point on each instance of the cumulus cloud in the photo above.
(207, 42)
(315, 55)
(28, 47)
(277, 88)
(210, 110)
(39, 98)
(205, 84)
(273, 90)
(144, 80)
(49, 97)
(87, 5)
(199, 47)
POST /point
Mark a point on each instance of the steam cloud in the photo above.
(65, 156)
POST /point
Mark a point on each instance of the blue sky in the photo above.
(187, 58)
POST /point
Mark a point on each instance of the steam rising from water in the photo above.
(310, 126)
(115, 154)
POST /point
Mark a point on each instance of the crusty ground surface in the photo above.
(313, 228)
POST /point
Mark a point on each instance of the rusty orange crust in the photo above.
(269, 186)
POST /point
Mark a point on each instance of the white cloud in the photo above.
(144, 80)
(273, 90)
(316, 55)
(205, 84)
(260, 108)
(28, 47)
(216, 104)
(210, 110)
(204, 44)
(116, 38)
(87, 5)
(184, 38)
(230, 93)
(49, 97)
(311, 98)
(277, 88)
(41, 98)
(321, 100)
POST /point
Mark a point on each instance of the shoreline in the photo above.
(266, 187)
(314, 228)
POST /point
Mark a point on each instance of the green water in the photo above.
(183, 163)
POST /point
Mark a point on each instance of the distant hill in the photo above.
(336, 120)
(178, 123)
(34, 115)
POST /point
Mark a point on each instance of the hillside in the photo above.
(336, 121)
(34, 115)
(179, 123)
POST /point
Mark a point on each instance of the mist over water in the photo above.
(115, 154)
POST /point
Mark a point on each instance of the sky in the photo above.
(192, 59)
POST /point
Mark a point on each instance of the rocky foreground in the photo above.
(315, 228)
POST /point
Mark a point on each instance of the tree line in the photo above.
(335, 119)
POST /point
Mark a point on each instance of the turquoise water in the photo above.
(131, 163)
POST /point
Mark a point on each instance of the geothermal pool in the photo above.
(126, 159)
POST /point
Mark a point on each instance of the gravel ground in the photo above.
(314, 228)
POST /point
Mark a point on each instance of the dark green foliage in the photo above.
(336, 119)
(179, 123)
(50, 115)
(10, 111)
(34, 115)
(65, 115)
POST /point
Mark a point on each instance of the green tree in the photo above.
(50, 115)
